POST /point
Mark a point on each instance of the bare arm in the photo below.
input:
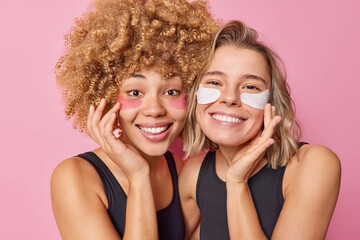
(311, 193)
(79, 210)
(141, 219)
(187, 188)
(243, 221)
(311, 187)
(242, 216)
(311, 190)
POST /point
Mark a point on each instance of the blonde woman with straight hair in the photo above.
(255, 180)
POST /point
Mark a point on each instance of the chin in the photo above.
(153, 151)
(228, 141)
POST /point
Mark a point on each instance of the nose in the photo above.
(230, 95)
(154, 107)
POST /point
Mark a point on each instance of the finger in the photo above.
(106, 132)
(98, 112)
(267, 114)
(260, 149)
(94, 125)
(273, 111)
(256, 153)
(112, 142)
(270, 129)
(88, 120)
(105, 121)
(118, 122)
(107, 116)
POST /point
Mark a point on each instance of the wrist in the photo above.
(236, 182)
(139, 176)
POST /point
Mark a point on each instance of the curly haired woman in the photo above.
(128, 67)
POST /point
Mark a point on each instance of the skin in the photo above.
(310, 188)
(78, 197)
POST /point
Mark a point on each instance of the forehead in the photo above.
(151, 76)
(234, 61)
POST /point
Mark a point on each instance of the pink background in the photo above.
(318, 41)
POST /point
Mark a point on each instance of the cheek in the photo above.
(127, 104)
(126, 117)
(179, 115)
(257, 117)
(179, 103)
(199, 113)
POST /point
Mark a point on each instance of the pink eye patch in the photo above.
(128, 103)
(179, 103)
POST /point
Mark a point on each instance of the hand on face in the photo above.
(101, 130)
(246, 159)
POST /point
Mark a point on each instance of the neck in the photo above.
(153, 161)
(228, 152)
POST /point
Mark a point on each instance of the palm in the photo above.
(101, 130)
(247, 159)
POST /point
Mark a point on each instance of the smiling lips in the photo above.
(155, 131)
(226, 119)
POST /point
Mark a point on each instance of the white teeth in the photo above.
(226, 119)
(153, 130)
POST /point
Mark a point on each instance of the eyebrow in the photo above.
(172, 75)
(245, 76)
(138, 75)
(214, 73)
(252, 76)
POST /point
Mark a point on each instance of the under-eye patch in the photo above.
(128, 103)
(207, 95)
(179, 103)
(254, 100)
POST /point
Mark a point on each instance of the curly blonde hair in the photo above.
(118, 37)
(238, 34)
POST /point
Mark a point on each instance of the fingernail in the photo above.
(278, 120)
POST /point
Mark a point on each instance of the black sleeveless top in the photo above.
(170, 219)
(266, 191)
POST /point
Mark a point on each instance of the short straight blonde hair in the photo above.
(236, 33)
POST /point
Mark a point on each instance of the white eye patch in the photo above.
(207, 95)
(254, 100)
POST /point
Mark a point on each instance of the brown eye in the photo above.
(134, 93)
(172, 92)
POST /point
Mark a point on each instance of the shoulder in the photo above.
(79, 201)
(317, 157)
(189, 173)
(72, 169)
(179, 162)
(314, 164)
(193, 164)
(74, 176)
